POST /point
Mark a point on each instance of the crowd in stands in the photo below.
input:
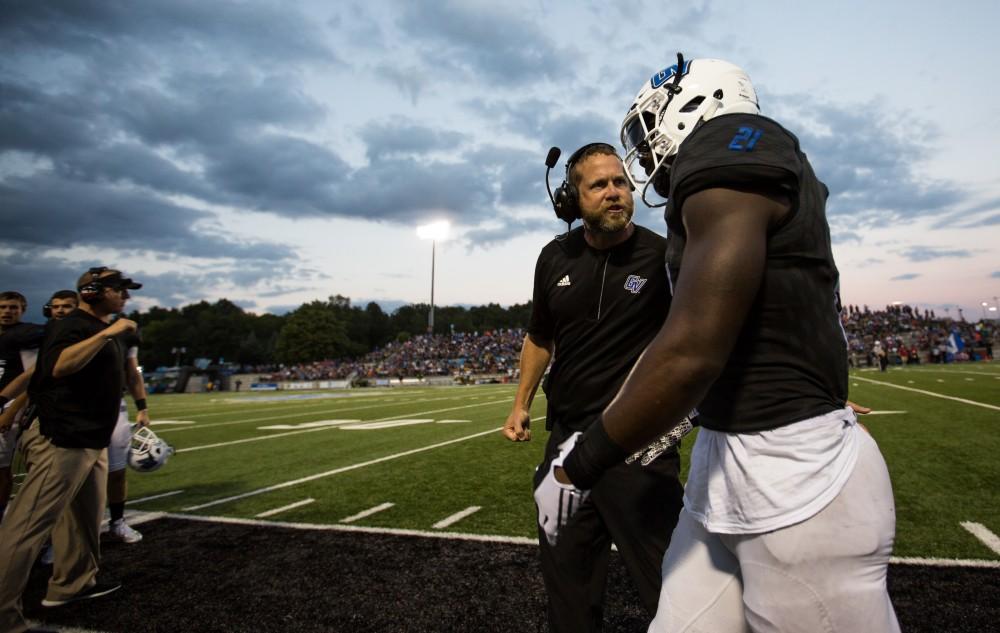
(903, 335)
(495, 352)
(897, 335)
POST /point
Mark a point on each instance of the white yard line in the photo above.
(259, 438)
(367, 513)
(336, 471)
(983, 533)
(290, 506)
(159, 496)
(930, 393)
(455, 518)
(876, 412)
(511, 540)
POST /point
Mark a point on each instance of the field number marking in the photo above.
(370, 426)
(324, 428)
(305, 425)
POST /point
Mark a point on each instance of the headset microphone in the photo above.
(550, 162)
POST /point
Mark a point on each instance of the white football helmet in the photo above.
(670, 106)
(147, 452)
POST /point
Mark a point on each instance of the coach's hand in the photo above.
(859, 409)
(556, 500)
(121, 326)
(517, 428)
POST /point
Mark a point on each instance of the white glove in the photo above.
(556, 501)
(663, 443)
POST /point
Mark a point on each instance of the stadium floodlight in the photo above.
(985, 304)
(434, 231)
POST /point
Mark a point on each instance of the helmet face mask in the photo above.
(147, 451)
(671, 105)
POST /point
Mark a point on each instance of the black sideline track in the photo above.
(193, 576)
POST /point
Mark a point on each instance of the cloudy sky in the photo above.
(277, 152)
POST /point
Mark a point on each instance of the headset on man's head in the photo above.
(566, 199)
(91, 291)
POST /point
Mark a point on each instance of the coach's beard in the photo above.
(608, 222)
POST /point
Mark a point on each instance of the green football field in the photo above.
(432, 459)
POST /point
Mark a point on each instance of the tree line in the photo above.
(318, 330)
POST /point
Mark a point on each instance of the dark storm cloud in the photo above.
(919, 253)
(484, 42)
(56, 213)
(905, 277)
(265, 32)
(129, 106)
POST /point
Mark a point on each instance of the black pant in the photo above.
(634, 506)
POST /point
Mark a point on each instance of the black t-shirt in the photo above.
(600, 309)
(79, 410)
(15, 339)
(790, 360)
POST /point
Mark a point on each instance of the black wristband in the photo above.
(140, 404)
(593, 454)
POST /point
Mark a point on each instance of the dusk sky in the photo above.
(273, 153)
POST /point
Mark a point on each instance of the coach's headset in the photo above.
(566, 199)
(92, 290)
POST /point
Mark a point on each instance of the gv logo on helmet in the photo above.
(664, 75)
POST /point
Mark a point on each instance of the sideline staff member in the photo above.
(77, 388)
(600, 295)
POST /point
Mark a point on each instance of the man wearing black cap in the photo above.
(76, 387)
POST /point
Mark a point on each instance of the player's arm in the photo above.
(17, 386)
(136, 387)
(535, 357)
(723, 266)
(75, 357)
(10, 411)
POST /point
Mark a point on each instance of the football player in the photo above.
(61, 304)
(788, 518)
(19, 344)
(121, 440)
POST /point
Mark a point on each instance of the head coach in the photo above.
(77, 387)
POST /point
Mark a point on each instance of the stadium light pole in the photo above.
(984, 304)
(434, 231)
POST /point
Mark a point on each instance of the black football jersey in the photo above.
(17, 338)
(790, 359)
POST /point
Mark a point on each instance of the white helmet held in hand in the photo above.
(670, 106)
(147, 452)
